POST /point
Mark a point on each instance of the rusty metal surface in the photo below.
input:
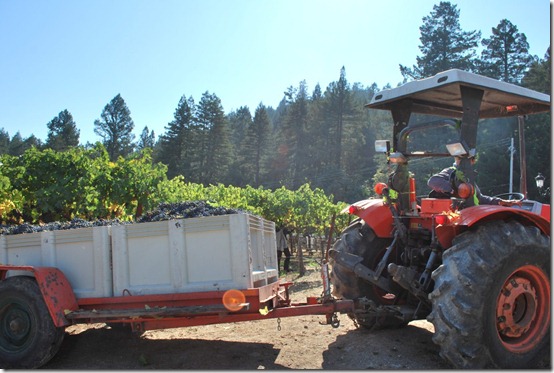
(55, 288)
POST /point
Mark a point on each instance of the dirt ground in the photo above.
(301, 343)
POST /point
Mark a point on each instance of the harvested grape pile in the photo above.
(56, 226)
(183, 210)
(164, 211)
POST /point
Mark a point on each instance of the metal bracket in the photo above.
(354, 263)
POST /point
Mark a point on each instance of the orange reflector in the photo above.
(465, 190)
(441, 219)
(511, 108)
(233, 299)
(379, 188)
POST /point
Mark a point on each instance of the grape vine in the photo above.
(47, 190)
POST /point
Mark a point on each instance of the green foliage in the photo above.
(62, 132)
(16, 145)
(212, 151)
(116, 128)
(506, 56)
(324, 140)
(443, 44)
(137, 179)
(147, 139)
(53, 185)
(46, 186)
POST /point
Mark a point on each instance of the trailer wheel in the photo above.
(28, 337)
(359, 239)
(491, 302)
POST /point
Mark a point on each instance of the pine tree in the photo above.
(278, 155)
(4, 141)
(17, 145)
(147, 139)
(239, 121)
(176, 145)
(254, 147)
(293, 141)
(444, 45)
(62, 132)
(317, 94)
(506, 55)
(213, 147)
(539, 75)
(338, 108)
(116, 128)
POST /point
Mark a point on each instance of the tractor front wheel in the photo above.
(491, 302)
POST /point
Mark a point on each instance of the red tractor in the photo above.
(479, 273)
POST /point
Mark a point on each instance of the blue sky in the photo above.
(79, 54)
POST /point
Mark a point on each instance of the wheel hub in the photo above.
(516, 307)
(16, 326)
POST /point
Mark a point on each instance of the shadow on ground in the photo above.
(120, 349)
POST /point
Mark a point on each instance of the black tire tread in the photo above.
(47, 338)
(360, 240)
(462, 281)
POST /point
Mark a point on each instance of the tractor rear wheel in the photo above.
(491, 302)
(28, 336)
(359, 239)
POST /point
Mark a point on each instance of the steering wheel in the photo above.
(513, 195)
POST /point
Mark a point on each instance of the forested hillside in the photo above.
(317, 138)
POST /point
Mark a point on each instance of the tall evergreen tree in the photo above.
(317, 94)
(294, 141)
(116, 128)
(278, 159)
(176, 145)
(444, 45)
(18, 145)
(62, 132)
(239, 121)
(147, 139)
(254, 148)
(214, 150)
(539, 75)
(506, 55)
(338, 107)
(4, 141)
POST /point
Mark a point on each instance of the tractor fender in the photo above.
(55, 288)
(472, 216)
(375, 213)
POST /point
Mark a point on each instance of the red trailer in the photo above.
(38, 302)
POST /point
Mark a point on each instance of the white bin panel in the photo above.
(21, 249)
(215, 251)
(142, 259)
(83, 255)
(193, 255)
